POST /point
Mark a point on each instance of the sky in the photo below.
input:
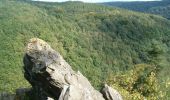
(93, 1)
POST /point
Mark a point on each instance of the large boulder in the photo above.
(110, 93)
(52, 77)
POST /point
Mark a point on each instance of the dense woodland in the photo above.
(126, 49)
(154, 7)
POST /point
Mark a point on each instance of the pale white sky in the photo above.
(92, 0)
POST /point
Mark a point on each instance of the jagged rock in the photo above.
(51, 76)
(110, 93)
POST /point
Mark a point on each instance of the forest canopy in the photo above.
(102, 42)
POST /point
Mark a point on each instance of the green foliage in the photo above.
(94, 39)
(161, 10)
(138, 84)
(154, 7)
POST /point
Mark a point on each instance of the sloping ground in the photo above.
(95, 39)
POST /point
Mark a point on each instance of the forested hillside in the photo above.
(127, 49)
(154, 7)
(162, 10)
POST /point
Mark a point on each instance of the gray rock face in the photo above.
(110, 93)
(51, 76)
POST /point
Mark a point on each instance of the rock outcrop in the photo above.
(53, 78)
(51, 75)
(110, 93)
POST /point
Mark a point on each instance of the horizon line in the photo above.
(84, 1)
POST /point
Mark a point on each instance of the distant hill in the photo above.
(154, 7)
(98, 40)
(161, 10)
